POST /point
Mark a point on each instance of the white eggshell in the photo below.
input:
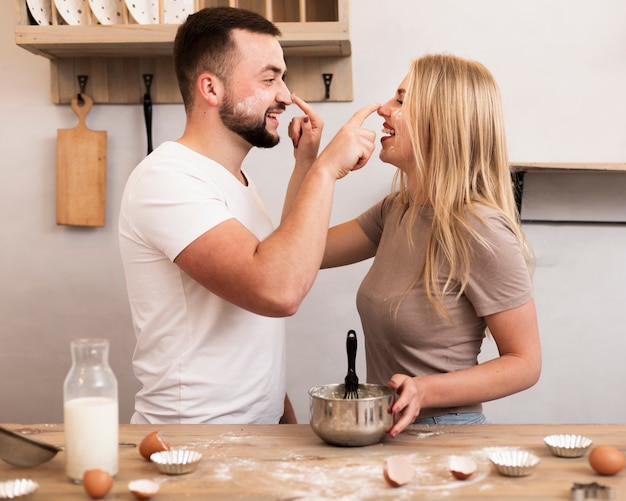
(462, 467)
(398, 470)
(143, 488)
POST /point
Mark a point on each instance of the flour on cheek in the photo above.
(250, 104)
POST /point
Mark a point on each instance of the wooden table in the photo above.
(288, 462)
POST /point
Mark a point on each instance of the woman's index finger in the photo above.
(359, 117)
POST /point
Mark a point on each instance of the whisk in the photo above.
(352, 380)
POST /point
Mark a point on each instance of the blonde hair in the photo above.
(453, 111)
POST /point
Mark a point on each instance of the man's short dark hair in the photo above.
(204, 43)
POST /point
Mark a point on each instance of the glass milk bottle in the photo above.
(90, 410)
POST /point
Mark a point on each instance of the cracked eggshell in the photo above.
(143, 488)
(462, 467)
(398, 470)
(153, 442)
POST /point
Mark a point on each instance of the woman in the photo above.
(450, 259)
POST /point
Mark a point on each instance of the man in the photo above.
(208, 277)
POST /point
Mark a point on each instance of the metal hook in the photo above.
(147, 109)
(147, 80)
(328, 77)
(82, 83)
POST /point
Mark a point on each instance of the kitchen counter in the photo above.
(288, 462)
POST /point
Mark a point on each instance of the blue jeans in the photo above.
(455, 418)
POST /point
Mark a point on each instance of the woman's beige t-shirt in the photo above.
(414, 339)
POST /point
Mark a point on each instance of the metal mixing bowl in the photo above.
(347, 422)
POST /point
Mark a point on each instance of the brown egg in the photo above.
(97, 483)
(153, 442)
(398, 470)
(606, 460)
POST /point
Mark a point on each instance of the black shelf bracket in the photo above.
(517, 178)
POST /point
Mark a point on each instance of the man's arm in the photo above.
(272, 277)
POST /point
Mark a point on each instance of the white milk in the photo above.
(91, 436)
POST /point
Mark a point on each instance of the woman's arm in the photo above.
(518, 367)
(347, 244)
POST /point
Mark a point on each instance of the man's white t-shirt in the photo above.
(200, 359)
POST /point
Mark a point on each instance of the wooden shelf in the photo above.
(519, 170)
(115, 57)
(561, 167)
(144, 40)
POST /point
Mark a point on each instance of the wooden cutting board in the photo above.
(81, 170)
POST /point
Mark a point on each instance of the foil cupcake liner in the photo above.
(514, 462)
(568, 446)
(13, 489)
(176, 461)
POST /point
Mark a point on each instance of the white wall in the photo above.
(561, 66)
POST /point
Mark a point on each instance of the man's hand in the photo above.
(305, 133)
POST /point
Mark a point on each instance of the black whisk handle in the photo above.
(351, 346)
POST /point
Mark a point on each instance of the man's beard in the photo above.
(250, 128)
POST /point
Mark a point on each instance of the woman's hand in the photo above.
(351, 147)
(407, 406)
(517, 368)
